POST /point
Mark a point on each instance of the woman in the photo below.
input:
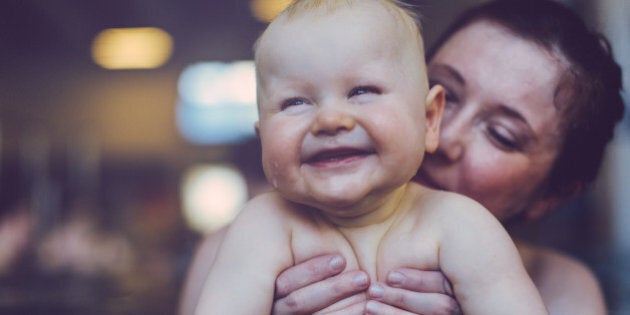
(532, 101)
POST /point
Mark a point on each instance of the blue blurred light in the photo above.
(217, 102)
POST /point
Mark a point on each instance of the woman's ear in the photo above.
(543, 207)
(434, 108)
(257, 128)
(552, 202)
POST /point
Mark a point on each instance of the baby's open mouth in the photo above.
(337, 155)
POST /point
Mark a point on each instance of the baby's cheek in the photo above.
(273, 172)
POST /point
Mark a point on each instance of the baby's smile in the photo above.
(337, 156)
(336, 150)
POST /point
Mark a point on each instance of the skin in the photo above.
(501, 109)
(346, 103)
(499, 115)
(345, 117)
(481, 111)
(335, 92)
(498, 140)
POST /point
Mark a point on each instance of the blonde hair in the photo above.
(405, 10)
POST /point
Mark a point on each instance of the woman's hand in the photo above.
(411, 291)
(318, 285)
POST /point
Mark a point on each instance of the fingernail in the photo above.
(395, 278)
(336, 263)
(376, 291)
(360, 280)
(371, 307)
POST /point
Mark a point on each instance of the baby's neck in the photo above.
(374, 210)
(365, 233)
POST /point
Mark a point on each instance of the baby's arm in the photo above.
(483, 264)
(254, 251)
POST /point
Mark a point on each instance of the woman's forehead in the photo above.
(499, 68)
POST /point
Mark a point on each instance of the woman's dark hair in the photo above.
(594, 104)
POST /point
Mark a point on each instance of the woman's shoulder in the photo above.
(567, 285)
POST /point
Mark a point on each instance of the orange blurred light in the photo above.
(267, 10)
(132, 48)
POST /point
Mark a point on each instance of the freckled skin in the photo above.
(471, 158)
(321, 73)
(345, 118)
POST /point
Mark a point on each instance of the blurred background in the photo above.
(126, 135)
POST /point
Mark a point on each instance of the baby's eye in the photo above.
(361, 90)
(292, 102)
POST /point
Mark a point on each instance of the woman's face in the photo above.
(501, 127)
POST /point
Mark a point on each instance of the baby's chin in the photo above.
(335, 204)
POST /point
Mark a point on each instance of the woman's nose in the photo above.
(331, 120)
(453, 138)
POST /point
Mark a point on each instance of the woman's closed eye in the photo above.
(450, 96)
(451, 100)
(503, 138)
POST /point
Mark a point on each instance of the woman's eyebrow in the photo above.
(514, 114)
(452, 72)
(510, 112)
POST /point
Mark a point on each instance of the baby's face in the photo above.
(341, 102)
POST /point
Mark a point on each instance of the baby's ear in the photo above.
(257, 128)
(433, 118)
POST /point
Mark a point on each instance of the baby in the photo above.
(346, 115)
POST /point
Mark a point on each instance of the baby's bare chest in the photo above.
(375, 253)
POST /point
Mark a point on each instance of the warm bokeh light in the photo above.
(266, 10)
(132, 48)
(212, 196)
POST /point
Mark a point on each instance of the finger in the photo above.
(321, 295)
(354, 305)
(414, 302)
(308, 272)
(420, 281)
(378, 308)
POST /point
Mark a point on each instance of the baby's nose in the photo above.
(331, 121)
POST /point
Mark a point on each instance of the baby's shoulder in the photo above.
(264, 208)
(268, 201)
(450, 211)
(447, 203)
(271, 206)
